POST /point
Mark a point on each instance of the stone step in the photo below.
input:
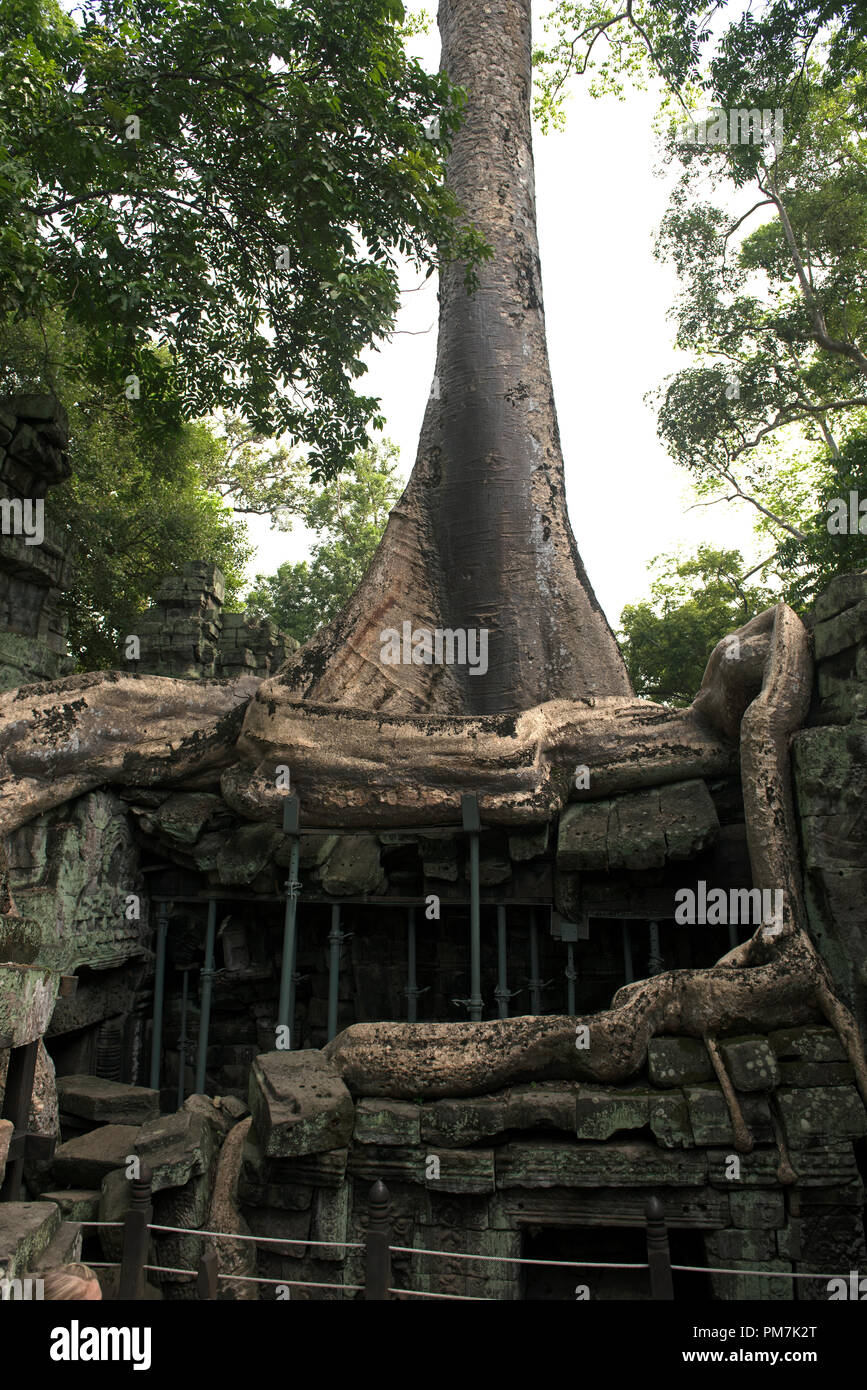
(64, 1248)
(26, 1229)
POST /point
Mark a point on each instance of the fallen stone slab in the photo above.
(26, 1228)
(299, 1104)
(85, 1160)
(177, 1147)
(107, 1102)
(76, 1203)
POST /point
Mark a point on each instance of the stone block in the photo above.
(689, 819)
(331, 1221)
(299, 1104)
(528, 844)
(245, 852)
(107, 1102)
(469, 1171)
(813, 1114)
(601, 1111)
(26, 1229)
(844, 591)
(633, 1164)
(176, 1148)
(678, 1062)
(274, 1183)
(354, 869)
(757, 1210)
(456, 1123)
(836, 634)
(808, 1044)
(668, 1116)
(75, 1203)
(387, 1122)
(545, 1106)
(711, 1122)
(636, 835)
(740, 1244)
(750, 1063)
(280, 1225)
(85, 1160)
(582, 840)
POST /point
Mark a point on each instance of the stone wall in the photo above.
(186, 633)
(830, 766)
(476, 1175)
(33, 458)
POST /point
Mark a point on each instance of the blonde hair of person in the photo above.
(71, 1282)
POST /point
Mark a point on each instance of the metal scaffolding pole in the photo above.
(627, 953)
(571, 977)
(159, 995)
(502, 993)
(207, 978)
(472, 823)
(286, 1004)
(411, 977)
(534, 981)
(335, 939)
(183, 1040)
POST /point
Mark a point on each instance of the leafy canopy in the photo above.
(232, 180)
(348, 517)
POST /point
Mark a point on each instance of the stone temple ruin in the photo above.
(284, 922)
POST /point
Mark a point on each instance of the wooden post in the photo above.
(135, 1238)
(206, 1277)
(377, 1256)
(658, 1253)
(16, 1107)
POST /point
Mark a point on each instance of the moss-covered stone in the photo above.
(750, 1063)
(678, 1062)
(815, 1114)
(387, 1122)
(811, 1043)
(757, 1210)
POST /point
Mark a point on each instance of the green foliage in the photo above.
(278, 168)
(694, 603)
(136, 502)
(348, 516)
(807, 565)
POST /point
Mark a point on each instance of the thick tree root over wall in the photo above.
(773, 980)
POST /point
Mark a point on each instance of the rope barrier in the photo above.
(511, 1260)
(274, 1240)
(452, 1297)
(760, 1273)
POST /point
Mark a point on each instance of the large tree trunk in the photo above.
(481, 537)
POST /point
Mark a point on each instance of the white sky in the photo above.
(610, 342)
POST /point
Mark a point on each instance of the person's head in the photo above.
(71, 1282)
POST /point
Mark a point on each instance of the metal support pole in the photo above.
(135, 1238)
(411, 977)
(159, 995)
(655, 963)
(571, 977)
(286, 1004)
(501, 993)
(377, 1256)
(658, 1253)
(183, 1040)
(472, 823)
(733, 935)
(534, 981)
(627, 954)
(207, 977)
(335, 938)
